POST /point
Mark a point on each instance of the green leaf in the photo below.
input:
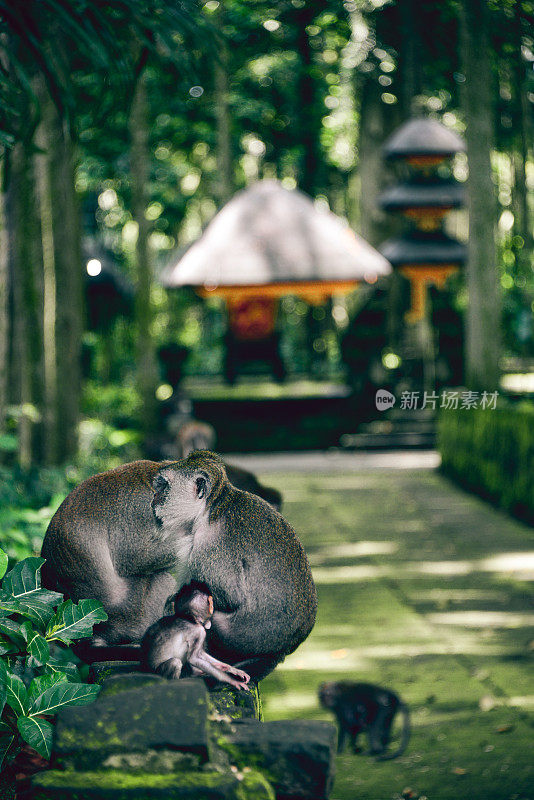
(25, 578)
(46, 596)
(7, 737)
(3, 687)
(16, 694)
(75, 621)
(38, 612)
(7, 646)
(27, 630)
(12, 630)
(66, 668)
(38, 734)
(3, 563)
(64, 694)
(42, 683)
(38, 648)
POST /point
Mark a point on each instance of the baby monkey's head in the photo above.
(194, 602)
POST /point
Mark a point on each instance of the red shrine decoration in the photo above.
(252, 319)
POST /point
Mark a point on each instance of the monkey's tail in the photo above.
(405, 736)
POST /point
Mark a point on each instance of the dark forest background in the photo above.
(125, 127)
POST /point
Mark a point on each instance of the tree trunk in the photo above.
(27, 304)
(483, 338)
(375, 225)
(311, 165)
(69, 288)
(4, 309)
(523, 226)
(377, 122)
(139, 172)
(43, 139)
(409, 63)
(224, 187)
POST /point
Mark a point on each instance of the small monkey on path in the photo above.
(174, 641)
(365, 708)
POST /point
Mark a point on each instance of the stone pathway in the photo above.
(335, 460)
(423, 588)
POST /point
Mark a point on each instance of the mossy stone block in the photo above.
(127, 682)
(100, 670)
(165, 714)
(117, 785)
(236, 703)
(156, 762)
(297, 756)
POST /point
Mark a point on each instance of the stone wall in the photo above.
(147, 737)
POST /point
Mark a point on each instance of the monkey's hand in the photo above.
(220, 670)
(243, 676)
(237, 684)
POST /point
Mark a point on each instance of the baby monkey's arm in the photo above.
(218, 669)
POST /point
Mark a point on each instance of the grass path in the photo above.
(424, 589)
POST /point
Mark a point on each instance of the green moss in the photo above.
(237, 704)
(117, 683)
(116, 779)
(240, 759)
(254, 786)
(255, 691)
(70, 740)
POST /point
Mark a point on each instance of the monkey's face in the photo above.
(195, 602)
(179, 497)
(328, 693)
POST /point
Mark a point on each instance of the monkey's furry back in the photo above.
(277, 585)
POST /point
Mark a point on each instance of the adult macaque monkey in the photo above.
(177, 641)
(117, 535)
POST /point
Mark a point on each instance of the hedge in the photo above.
(491, 452)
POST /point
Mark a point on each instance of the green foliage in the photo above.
(108, 40)
(36, 676)
(28, 499)
(115, 404)
(103, 446)
(492, 453)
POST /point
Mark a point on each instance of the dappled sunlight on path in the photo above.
(423, 588)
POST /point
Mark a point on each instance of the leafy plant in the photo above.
(491, 452)
(36, 676)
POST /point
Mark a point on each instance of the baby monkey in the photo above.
(175, 641)
(365, 708)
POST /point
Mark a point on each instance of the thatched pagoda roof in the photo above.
(423, 137)
(421, 248)
(267, 235)
(423, 195)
